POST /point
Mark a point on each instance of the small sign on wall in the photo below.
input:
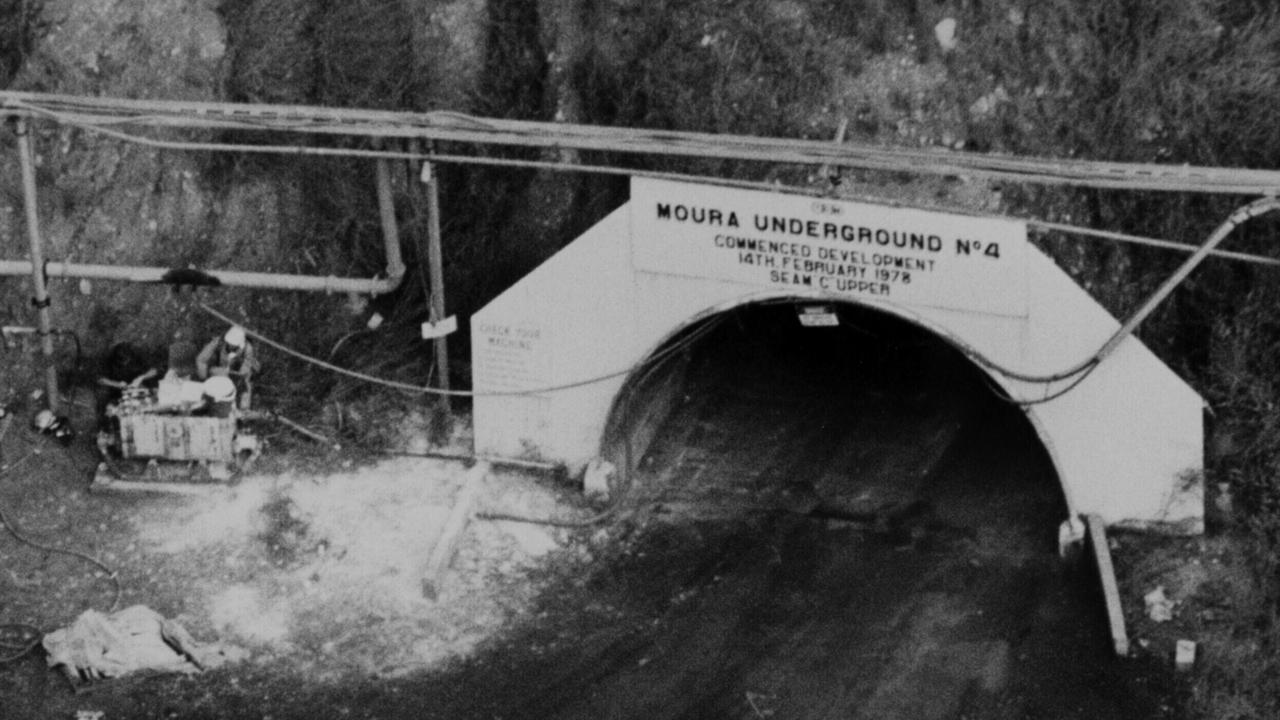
(447, 326)
(509, 356)
(818, 316)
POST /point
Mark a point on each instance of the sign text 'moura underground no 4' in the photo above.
(851, 249)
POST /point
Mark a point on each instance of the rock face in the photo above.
(133, 48)
(449, 41)
(794, 68)
(112, 202)
(102, 200)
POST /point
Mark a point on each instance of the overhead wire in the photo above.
(273, 123)
(658, 356)
(641, 141)
(1081, 369)
(428, 156)
(432, 156)
(1047, 227)
(228, 147)
(1086, 366)
(639, 372)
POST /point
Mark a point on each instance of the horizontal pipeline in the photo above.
(273, 281)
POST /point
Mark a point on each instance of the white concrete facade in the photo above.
(1127, 442)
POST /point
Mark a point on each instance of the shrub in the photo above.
(21, 25)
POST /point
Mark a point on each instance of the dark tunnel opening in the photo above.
(829, 409)
(852, 495)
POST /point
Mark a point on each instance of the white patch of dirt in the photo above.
(326, 571)
(203, 521)
(241, 611)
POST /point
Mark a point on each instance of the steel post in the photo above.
(40, 296)
(390, 229)
(435, 262)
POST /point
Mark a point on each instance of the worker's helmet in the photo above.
(234, 336)
(56, 425)
(44, 420)
(219, 388)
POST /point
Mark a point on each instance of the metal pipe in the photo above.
(270, 281)
(1240, 216)
(101, 114)
(40, 297)
(1127, 328)
(390, 230)
(473, 457)
(435, 262)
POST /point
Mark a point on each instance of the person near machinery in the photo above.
(232, 355)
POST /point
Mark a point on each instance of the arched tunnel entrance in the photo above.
(869, 528)
(834, 410)
(552, 354)
(836, 518)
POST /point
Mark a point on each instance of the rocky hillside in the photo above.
(1143, 80)
(1083, 78)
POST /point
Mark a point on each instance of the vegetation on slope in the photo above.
(1167, 81)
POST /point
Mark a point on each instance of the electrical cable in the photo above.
(21, 648)
(646, 367)
(409, 387)
(334, 350)
(1041, 225)
(974, 356)
(1086, 366)
(28, 637)
(223, 147)
(111, 574)
(570, 167)
(544, 135)
(1003, 395)
(1047, 227)
(424, 157)
(1082, 368)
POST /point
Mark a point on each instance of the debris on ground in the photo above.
(1184, 655)
(136, 639)
(326, 570)
(1159, 606)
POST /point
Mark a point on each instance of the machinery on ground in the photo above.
(177, 431)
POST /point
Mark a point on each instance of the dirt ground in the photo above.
(790, 551)
(307, 571)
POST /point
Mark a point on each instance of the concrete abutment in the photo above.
(1126, 440)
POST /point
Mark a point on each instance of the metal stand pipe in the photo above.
(390, 229)
(40, 295)
(435, 262)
